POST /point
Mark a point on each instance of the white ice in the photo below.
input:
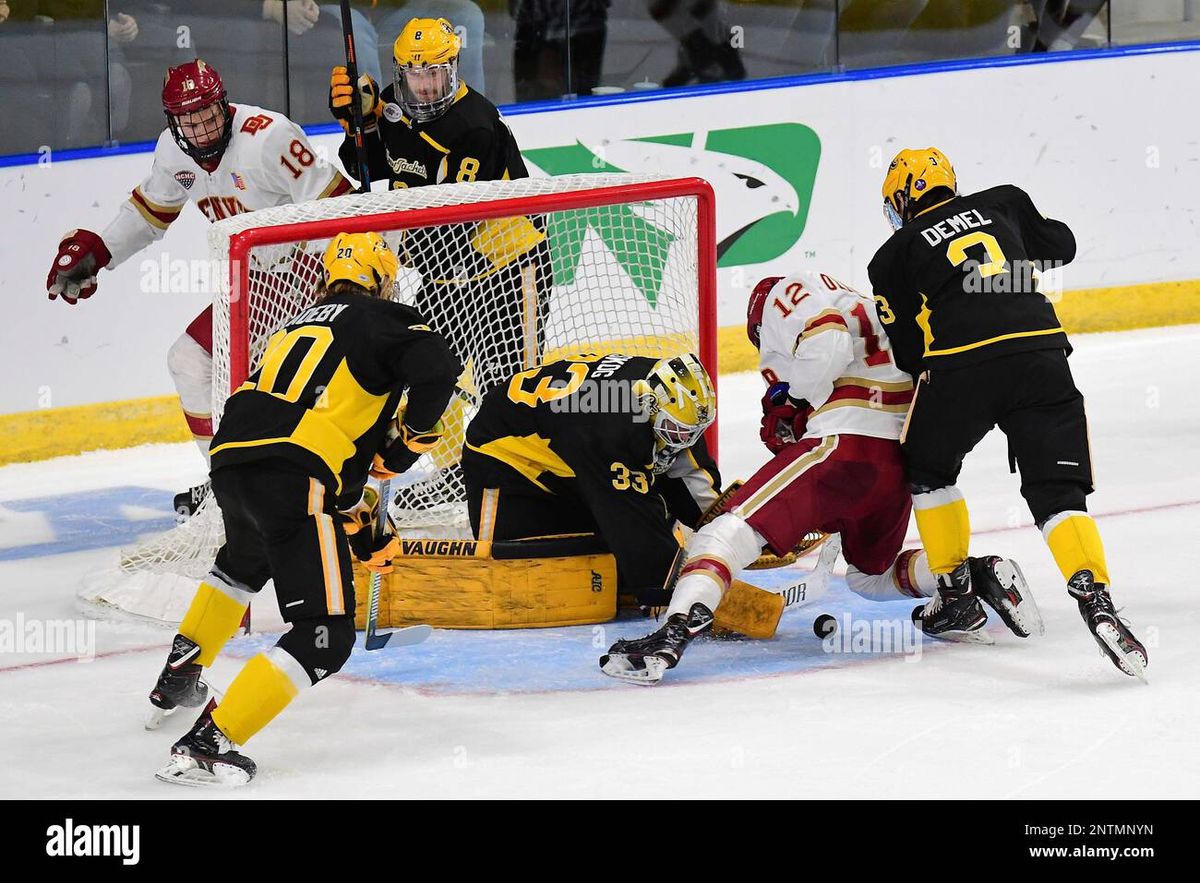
(1042, 718)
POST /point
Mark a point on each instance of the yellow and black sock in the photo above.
(945, 527)
(262, 689)
(213, 618)
(1074, 541)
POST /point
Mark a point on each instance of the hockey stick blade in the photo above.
(402, 637)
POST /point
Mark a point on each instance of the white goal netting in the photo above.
(512, 273)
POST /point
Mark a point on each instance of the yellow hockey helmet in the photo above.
(912, 174)
(679, 400)
(425, 67)
(361, 258)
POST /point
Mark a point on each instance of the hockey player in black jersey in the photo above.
(293, 449)
(956, 288)
(610, 446)
(484, 284)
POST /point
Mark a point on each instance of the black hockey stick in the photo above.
(356, 122)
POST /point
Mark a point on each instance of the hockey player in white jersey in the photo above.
(226, 159)
(832, 417)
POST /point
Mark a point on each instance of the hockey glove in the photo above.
(81, 255)
(783, 420)
(361, 522)
(405, 447)
(341, 95)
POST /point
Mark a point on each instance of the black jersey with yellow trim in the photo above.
(469, 142)
(957, 284)
(329, 383)
(573, 428)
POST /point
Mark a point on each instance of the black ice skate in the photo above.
(206, 756)
(187, 502)
(1000, 584)
(954, 613)
(1114, 637)
(643, 660)
(179, 685)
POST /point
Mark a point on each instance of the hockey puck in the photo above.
(824, 626)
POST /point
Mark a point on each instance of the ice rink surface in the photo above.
(528, 714)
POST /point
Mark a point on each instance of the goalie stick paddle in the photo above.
(356, 123)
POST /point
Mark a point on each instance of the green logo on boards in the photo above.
(763, 178)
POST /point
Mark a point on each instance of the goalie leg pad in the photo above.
(458, 584)
(717, 551)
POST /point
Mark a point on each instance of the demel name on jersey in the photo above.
(824, 340)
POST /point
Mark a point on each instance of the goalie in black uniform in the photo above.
(292, 453)
(611, 446)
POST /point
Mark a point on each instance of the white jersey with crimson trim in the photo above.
(269, 162)
(824, 340)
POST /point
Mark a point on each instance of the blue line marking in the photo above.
(91, 520)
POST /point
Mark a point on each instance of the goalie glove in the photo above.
(783, 420)
(375, 550)
(81, 255)
(405, 446)
(341, 95)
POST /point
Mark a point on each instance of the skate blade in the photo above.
(183, 770)
(156, 716)
(1132, 664)
(623, 669)
(978, 636)
(1025, 618)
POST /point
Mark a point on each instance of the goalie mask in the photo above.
(678, 398)
(425, 68)
(198, 112)
(361, 258)
(912, 175)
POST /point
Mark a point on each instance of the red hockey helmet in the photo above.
(754, 309)
(189, 90)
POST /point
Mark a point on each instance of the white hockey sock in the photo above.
(715, 553)
(908, 577)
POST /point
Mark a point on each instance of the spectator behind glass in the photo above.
(540, 47)
(388, 18)
(54, 53)
(706, 52)
(245, 40)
